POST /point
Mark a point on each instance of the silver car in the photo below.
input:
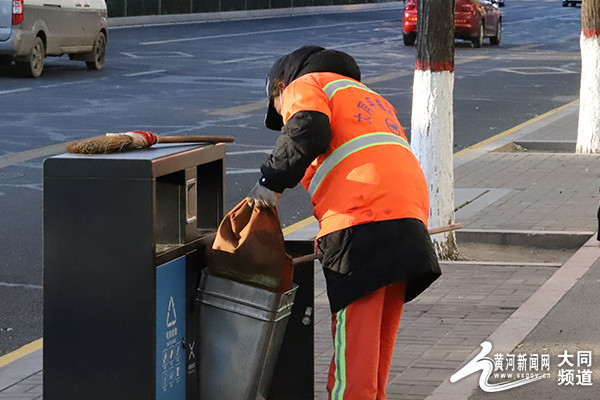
(30, 30)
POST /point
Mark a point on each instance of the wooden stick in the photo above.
(194, 139)
(442, 229)
(319, 256)
(307, 258)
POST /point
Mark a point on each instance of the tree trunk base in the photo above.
(446, 248)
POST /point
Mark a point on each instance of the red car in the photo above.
(473, 20)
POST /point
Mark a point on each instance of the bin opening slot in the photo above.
(189, 204)
(210, 189)
(170, 209)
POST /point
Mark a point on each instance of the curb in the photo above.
(169, 19)
(537, 239)
(512, 135)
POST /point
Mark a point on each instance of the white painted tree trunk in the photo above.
(588, 132)
(432, 141)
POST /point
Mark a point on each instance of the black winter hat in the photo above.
(302, 61)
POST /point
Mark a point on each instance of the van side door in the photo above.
(94, 18)
(72, 32)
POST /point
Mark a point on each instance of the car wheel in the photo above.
(495, 40)
(409, 38)
(98, 53)
(478, 40)
(34, 65)
(565, 3)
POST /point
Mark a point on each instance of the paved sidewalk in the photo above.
(22, 379)
(540, 198)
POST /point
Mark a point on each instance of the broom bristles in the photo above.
(101, 145)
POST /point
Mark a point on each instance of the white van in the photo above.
(30, 30)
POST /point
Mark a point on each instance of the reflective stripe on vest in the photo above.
(351, 147)
(332, 87)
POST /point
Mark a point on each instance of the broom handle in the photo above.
(319, 256)
(442, 229)
(193, 139)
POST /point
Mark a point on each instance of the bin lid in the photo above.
(158, 160)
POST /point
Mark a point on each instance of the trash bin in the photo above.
(243, 327)
(122, 233)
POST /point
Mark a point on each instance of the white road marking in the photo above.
(240, 171)
(303, 28)
(14, 90)
(157, 71)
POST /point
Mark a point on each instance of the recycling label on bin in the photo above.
(170, 330)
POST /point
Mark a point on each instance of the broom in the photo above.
(116, 142)
(319, 256)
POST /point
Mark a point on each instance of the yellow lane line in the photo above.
(470, 59)
(22, 156)
(514, 129)
(244, 108)
(298, 225)
(22, 352)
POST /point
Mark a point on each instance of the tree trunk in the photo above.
(588, 132)
(432, 123)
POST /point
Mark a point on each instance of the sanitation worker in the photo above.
(343, 142)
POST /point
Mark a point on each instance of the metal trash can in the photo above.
(241, 331)
(122, 236)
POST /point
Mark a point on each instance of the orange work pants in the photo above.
(364, 334)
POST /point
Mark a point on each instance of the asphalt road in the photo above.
(208, 79)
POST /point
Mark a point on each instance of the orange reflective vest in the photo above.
(368, 173)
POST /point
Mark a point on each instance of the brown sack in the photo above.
(249, 248)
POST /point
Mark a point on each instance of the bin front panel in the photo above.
(170, 330)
